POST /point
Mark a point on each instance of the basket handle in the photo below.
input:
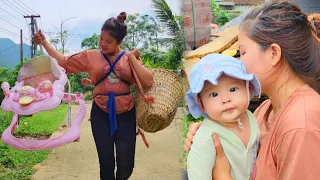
(147, 98)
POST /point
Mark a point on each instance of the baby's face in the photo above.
(225, 102)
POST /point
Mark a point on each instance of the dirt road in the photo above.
(79, 161)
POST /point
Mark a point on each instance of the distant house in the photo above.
(239, 5)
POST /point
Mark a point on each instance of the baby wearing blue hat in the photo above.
(220, 91)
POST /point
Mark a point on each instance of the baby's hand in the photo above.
(86, 82)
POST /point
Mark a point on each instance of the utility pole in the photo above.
(63, 38)
(21, 48)
(33, 46)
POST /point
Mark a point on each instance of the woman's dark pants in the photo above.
(124, 140)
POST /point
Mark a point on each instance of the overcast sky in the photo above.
(87, 16)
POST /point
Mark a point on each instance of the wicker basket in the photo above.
(167, 91)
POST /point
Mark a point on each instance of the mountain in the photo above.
(10, 52)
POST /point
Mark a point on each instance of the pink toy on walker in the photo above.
(40, 87)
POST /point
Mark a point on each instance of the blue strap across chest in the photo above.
(111, 105)
(111, 69)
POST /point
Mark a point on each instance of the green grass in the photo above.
(43, 123)
(18, 164)
(187, 120)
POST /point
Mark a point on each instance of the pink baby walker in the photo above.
(40, 87)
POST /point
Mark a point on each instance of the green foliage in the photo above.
(188, 119)
(75, 81)
(154, 58)
(222, 16)
(5, 120)
(9, 76)
(88, 98)
(143, 31)
(17, 174)
(214, 6)
(12, 158)
(165, 15)
(90, 42)
(43, 123)
(173, 26)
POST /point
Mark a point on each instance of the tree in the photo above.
(59, 40)
(173, 26)
(90, 42)
(10, 76)
(140, 31)
(143, 32)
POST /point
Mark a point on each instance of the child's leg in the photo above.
(125, 139)
(104, 142)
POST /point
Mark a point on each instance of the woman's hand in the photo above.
(135, 52)
(142, 73)
(221, 170)
(193, 127)
(39, 38)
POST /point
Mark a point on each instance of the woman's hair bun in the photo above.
(122, 17)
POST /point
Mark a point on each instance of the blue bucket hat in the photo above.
(210, 68)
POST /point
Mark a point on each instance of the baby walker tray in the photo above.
(40, 87)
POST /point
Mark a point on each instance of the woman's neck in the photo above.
(114, 53)
(286, 83)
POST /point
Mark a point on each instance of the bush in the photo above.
(221, 16)
(153, 58)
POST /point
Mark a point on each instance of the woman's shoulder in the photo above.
(300, 112)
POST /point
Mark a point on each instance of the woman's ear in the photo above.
(276, 54)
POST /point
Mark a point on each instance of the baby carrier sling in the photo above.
(111, 105)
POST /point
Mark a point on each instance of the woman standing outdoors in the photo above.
(113, 116)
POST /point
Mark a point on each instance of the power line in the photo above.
(23, 7)
(41, 23)
(7, 31)
(28, 28)
(8, 48)
(27, 7)
(12, 8)
(17, 7)
(10, 23)
(11, 15)
(69, 34)
(75, 39)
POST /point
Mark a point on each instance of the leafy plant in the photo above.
(221, 15)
